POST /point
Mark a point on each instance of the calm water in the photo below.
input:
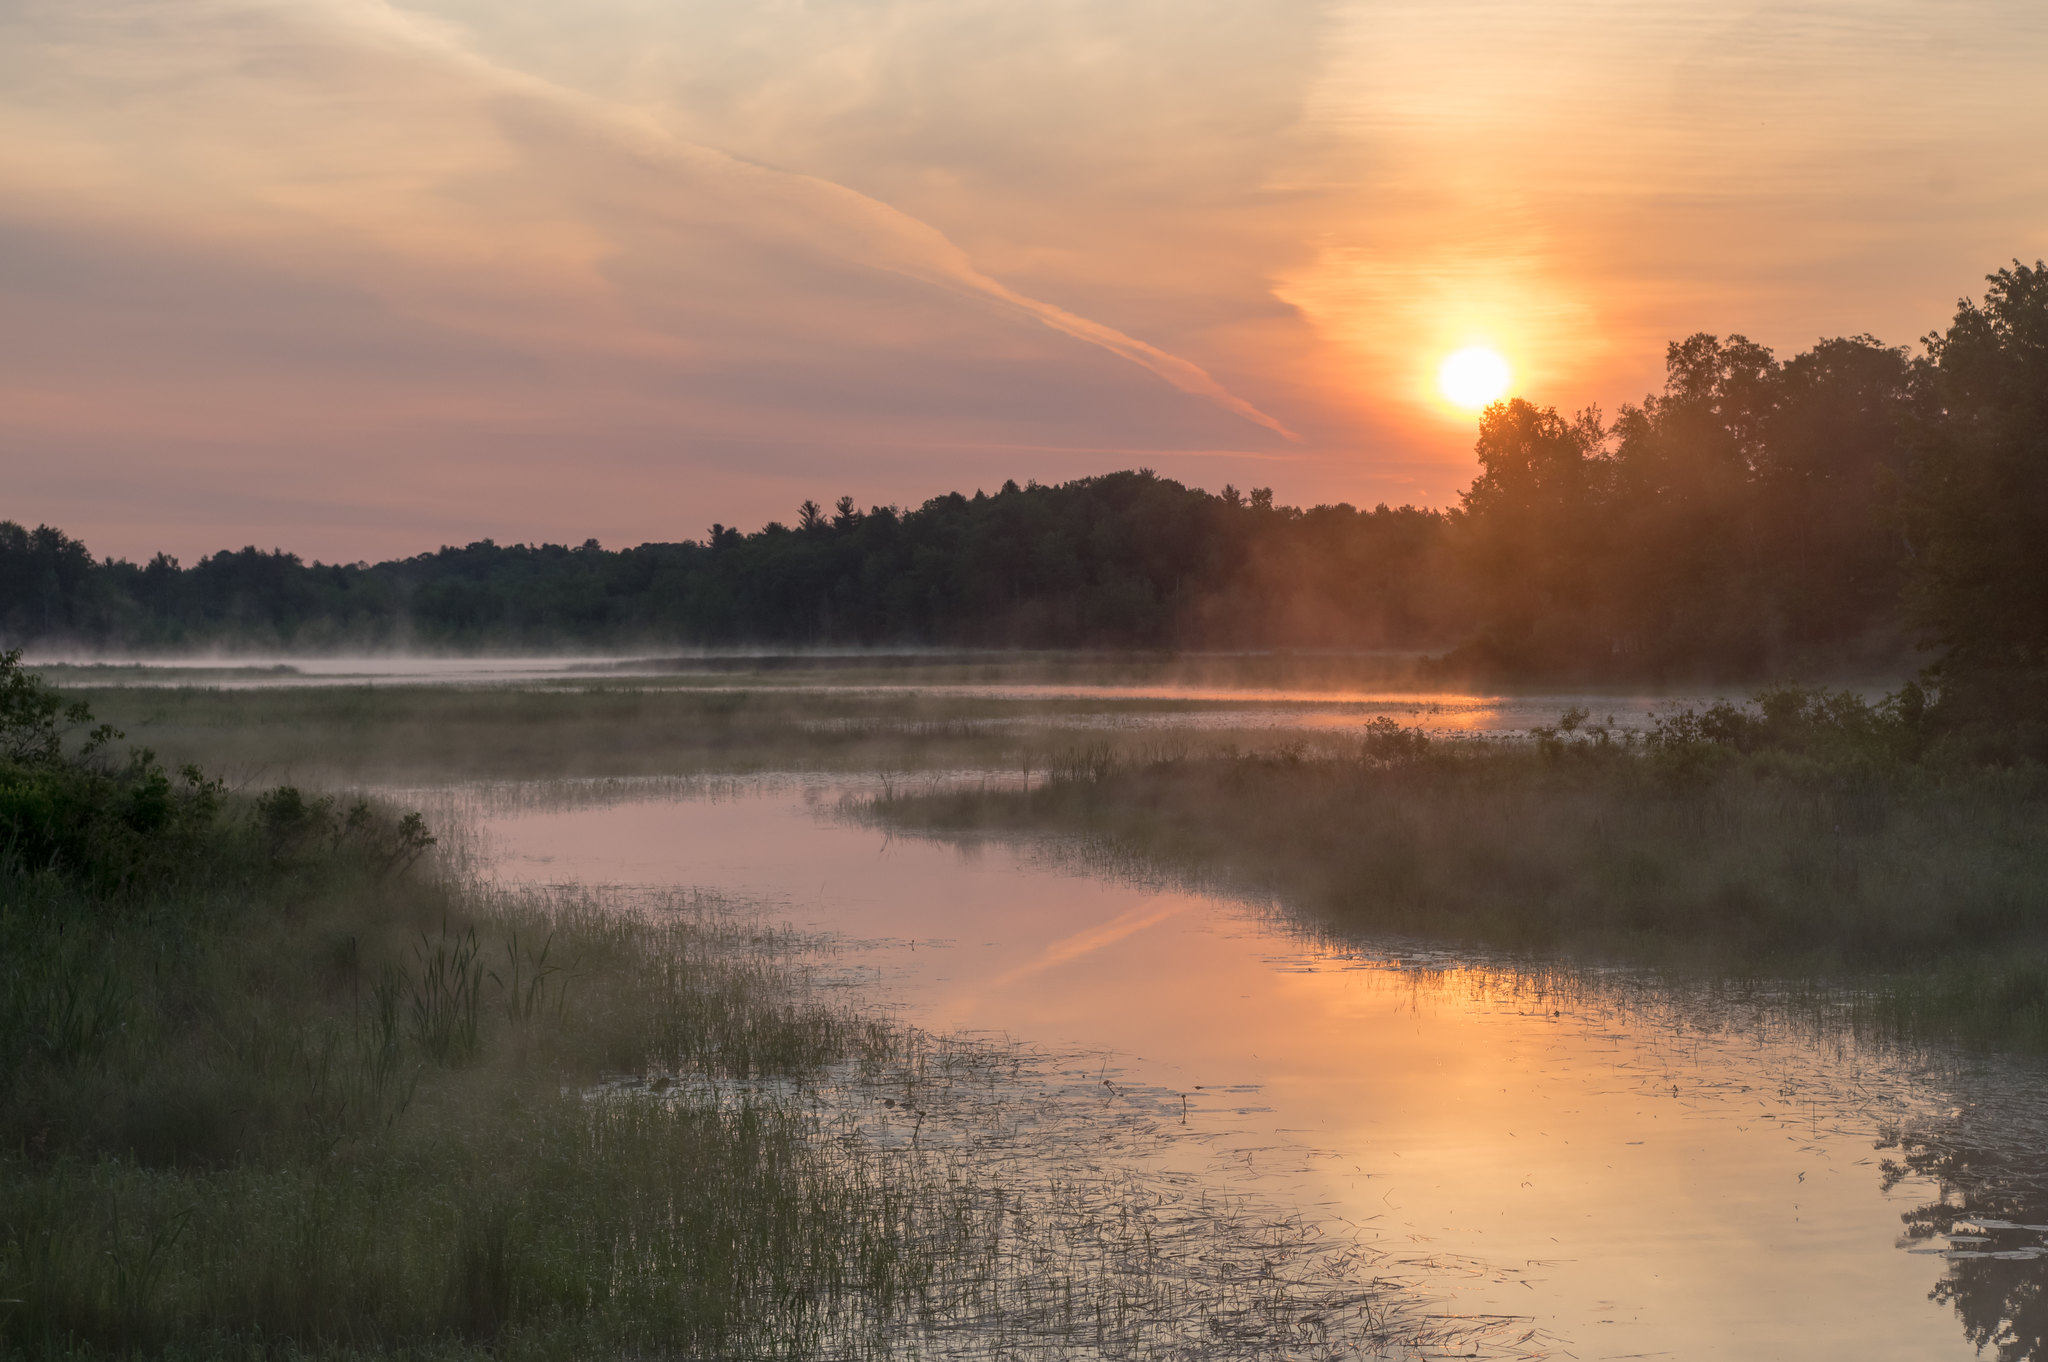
(1629, 1174)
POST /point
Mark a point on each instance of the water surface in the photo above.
(1629, 1173)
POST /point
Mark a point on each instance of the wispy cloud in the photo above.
(841, 220)
(526, 268)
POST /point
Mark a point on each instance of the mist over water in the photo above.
(1251, 691)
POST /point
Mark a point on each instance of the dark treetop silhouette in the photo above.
(1756, 516)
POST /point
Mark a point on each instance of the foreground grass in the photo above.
(1922, 883)
(353, 1116)
(338, 1111)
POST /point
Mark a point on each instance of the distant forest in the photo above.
(1758, 516)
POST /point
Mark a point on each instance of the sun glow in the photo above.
(1473, 376)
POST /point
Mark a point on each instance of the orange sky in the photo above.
(359, 279)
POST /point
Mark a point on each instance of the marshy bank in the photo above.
(280, 1079)
(1811, 835)
(1224, 1133)
(1577, 1147)
(402, 727)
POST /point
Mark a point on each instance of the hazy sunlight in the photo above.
(1473, 376)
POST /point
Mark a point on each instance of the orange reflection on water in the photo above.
(1632, 1177)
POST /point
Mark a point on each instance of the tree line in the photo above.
(1125, 559)
(1758, 515)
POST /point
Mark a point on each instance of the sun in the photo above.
(1473, 377)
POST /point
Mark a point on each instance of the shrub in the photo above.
(113, 826)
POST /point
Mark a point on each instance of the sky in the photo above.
(360, 278)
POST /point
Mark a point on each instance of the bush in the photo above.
(115, 826)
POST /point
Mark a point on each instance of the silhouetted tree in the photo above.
(1978, 508)
(1533, 525)
(1754, 516)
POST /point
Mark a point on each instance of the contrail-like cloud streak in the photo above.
(855, 226)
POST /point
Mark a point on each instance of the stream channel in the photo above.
(1590, 1163)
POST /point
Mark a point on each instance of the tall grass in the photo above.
(681, 1154)
(310, 1111)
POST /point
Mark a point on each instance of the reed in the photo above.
(683, 1155)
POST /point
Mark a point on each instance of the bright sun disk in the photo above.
(1473, 376)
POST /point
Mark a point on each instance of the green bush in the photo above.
(71, 810)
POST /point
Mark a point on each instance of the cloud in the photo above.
(519, 267)
(705, 188)
(862, 228)
(327, 251)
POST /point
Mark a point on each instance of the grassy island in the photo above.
(1807, 835)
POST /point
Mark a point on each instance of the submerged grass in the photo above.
(1921, 883)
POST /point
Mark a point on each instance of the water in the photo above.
(1621, 1172)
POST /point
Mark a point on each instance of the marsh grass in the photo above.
(397, 1124)
(410, 734)
(1070, 1228)
(279, 1077)
(343, 1112)
(1920, 886)
(443, 734)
